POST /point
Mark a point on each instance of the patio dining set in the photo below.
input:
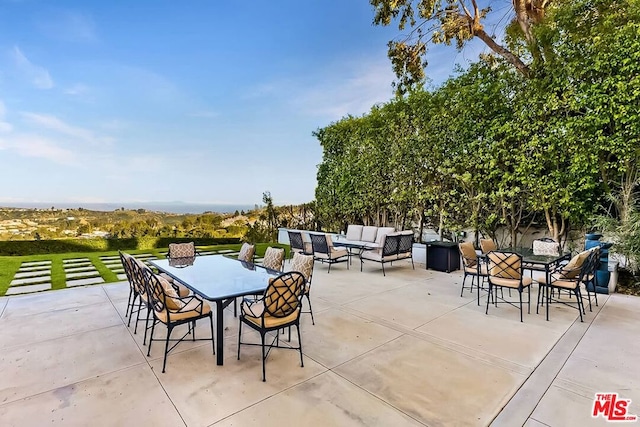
(494, 270)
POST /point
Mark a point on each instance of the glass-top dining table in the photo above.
(218, 279)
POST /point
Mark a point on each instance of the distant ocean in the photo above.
(171, 207)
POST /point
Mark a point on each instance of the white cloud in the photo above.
(349, 88)
(38, 76)
(55, 124)
(28, 145)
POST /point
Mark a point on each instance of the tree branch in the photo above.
(500, 50)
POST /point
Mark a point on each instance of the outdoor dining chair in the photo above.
(171, 310)
(323, 251)
(304, 264)
(279, 307)
(569, 277)
(473, 266)
(505, 271)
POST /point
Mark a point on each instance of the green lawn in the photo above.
(9, 265)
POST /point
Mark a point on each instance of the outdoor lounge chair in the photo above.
(278, 308)
(182, 250)
(394, 247)
(324, 251)
(297, 243)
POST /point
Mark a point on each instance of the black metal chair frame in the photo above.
(502, 267)
(400, 245)
(593, 268)
(307, 291)
(135, 275)
(585, 270)
(319, 244)
(278, 302)
(133, 291)
(477, 264)
(158, 298)
(296, 242)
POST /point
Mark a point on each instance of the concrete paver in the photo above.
(404, 349)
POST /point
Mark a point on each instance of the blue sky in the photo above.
(198, 101)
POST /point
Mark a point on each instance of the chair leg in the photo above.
(463, 280)
(213, 339)
(311, 310)
(133, 304)
(580, 305)
(264, 373)
(239, 334)
(135, 329)
(166, 348)
(146, 326)
(488, 297)
(126, 313)
(153, 328)
(300, 345)
(383, 270)
(520, 295)
(529, 299)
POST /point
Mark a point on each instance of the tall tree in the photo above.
(447, 21)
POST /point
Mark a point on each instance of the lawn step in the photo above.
(75, 260)
(21, 275)
(76, 269)
(17, 290)
(31, 280)
(82, 282)
(122, 276)
(35, 268)
(106, 258)
(83, 274)
(35, 263)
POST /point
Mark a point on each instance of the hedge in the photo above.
(42, 247)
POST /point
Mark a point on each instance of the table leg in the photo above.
(220, 332)
(546, 275)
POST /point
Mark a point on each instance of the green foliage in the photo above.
(38, 247)
(492, 147)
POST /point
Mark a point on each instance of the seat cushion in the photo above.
(511, 283)
(369, 233)
(560, 283)
(194, 308)
(474, 269)
(354, 232)
(254, 312)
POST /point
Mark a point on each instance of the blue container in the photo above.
(602, 274)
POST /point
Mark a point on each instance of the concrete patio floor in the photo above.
(404, 349)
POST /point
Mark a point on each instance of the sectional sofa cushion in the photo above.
(383, 231)
(354, 232)
(369, 233)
